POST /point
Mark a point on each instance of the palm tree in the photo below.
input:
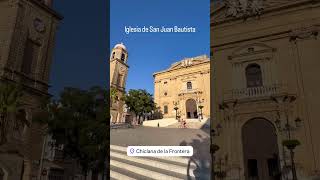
(10, 97)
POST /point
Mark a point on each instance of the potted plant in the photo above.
(291, 144)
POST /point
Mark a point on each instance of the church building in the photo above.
(266, 92)
(183, 90)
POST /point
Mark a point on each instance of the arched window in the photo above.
(113, 55)
(165, 109)
(123, 56)
(253, 75)
(189, 85)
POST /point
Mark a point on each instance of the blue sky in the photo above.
(152, 52)
(81, 49)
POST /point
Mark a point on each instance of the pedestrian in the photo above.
(184, 123)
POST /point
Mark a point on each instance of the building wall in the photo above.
(284, 42)
(171, 87)
(17, 25)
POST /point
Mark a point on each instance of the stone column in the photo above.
(27, 169)
(243, 81)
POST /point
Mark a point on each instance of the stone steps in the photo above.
(125, 167)
(192, 124)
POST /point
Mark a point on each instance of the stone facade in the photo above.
(186, 86)
(266, 61)
(118, 75)
(27, 32)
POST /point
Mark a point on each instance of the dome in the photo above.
(121, 45)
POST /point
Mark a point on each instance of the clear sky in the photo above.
(81, 50)
(152, 52)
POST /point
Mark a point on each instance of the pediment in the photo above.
(187, 62)
(251, 49)
(254, 47)
(242, 9)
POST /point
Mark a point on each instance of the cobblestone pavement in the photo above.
(124, 167)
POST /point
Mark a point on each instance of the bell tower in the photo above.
(118, 75)
(27, 39)
(118, 67)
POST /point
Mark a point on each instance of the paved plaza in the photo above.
(124, 167)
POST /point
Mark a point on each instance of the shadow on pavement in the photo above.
(200, 158)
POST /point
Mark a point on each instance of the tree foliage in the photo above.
(78, 120)
(10, 102)
(139, 101)
(113, 94)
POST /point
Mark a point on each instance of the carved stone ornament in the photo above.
(244, 8)
(304, 33)
(39, 25)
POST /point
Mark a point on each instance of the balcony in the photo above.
(255, 92)
(189, 91)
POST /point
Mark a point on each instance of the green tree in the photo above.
(113, 94)
(10, 101)
(78, 120)
(140, 102)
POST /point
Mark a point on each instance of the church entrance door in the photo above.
(191, 109)
(260, 150)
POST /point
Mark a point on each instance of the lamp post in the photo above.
(289, 143)
(201, 107)
(176, 108)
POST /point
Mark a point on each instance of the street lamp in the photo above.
(200, 107)
(289, 143)
(176, 108)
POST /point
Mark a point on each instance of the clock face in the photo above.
(39, 25)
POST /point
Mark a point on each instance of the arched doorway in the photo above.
(191, 109)
(260, 150)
